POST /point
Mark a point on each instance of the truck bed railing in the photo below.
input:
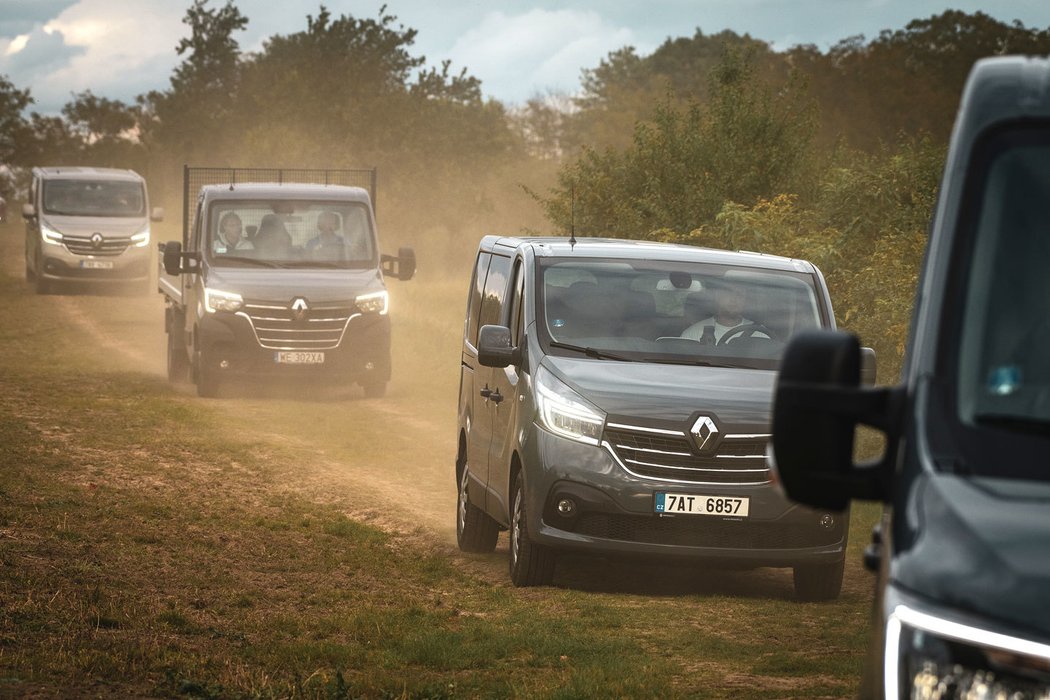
(196, 177)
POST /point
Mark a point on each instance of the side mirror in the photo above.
(494, 348)
(157, 214)
(403, 266)
(818, 404)
(176, 262)
(28, 211)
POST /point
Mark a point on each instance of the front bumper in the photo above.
(614, 513)
(228, 342)
(132, 265)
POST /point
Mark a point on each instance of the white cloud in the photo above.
(517, 56)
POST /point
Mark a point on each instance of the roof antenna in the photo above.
(572, 216)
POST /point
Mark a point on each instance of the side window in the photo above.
(33, 189)
(495, 290)
(517, 305)
(477, 286)
(195, 234)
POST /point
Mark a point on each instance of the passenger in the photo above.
(328, 243)
(231, 235)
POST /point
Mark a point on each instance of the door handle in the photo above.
(496, 397)
(486, 392)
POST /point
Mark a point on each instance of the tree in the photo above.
(14, 129)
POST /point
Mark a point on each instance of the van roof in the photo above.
(81, 172)
(287, 190)
(619, 248)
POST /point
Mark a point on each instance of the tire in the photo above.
(475, 530)
(207, 376)
(178, 361)
(815, 582)
(531, 564)
(42, 285)
(374, 390)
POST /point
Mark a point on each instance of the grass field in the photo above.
(156, 544)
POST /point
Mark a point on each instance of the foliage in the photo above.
(751, 141)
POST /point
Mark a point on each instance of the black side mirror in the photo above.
(173, 258)
(494, 348)
(402, 266)
(176, 262)
(818, 404)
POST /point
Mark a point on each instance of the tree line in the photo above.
(718, 139)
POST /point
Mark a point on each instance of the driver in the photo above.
(730, 302)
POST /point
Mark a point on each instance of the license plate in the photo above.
(299, 358)
(692, 504)
(96, 264)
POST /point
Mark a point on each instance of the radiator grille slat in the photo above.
(739, 459)
(279, 327)
(79, 245)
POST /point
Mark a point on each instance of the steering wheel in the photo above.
(746, 330)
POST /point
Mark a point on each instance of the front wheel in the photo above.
(475, 530)
(531, 564)
(42, 285)
(814, 582)
(207, 376)
(178, 362)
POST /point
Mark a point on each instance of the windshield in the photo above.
(673, 312)
(94, 198)
(282, 233)
(1004, 367)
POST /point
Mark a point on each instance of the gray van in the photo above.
(87, 225)
(615, 398)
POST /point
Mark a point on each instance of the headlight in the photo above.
(49, 234)
(564, 412)
(374, 303)
(141, 239)
(214, 300)
(929, 658)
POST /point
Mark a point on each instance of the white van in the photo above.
(87, 225)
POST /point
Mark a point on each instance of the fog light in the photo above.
(224, 364)
(370, 366)
(827, 521)
(566, 507)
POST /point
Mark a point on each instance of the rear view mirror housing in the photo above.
(818, 404)
(157, 214)
(176, 262)
(495, 349)
(402, 266)
(28, 211)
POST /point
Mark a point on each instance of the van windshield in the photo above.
(1004, 362)
(674, 312)
(321, 234)
(94, 198)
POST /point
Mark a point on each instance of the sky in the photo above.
(518, 48)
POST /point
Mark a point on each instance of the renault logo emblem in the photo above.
(299, 308)
(96, 240)
(705, 432)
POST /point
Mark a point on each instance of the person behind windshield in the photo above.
(272, 239)
(328, 243)
(730, 303)
(231, 235)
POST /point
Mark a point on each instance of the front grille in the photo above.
(668, 455)
(704, 531)
(82, 245)
(320, 328)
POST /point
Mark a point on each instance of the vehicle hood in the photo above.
(116, 226)
(283, 284)
(660, 392)
(981, 545)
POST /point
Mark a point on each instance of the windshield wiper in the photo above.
(590, 352)
(697, 363)
(1024, 424)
